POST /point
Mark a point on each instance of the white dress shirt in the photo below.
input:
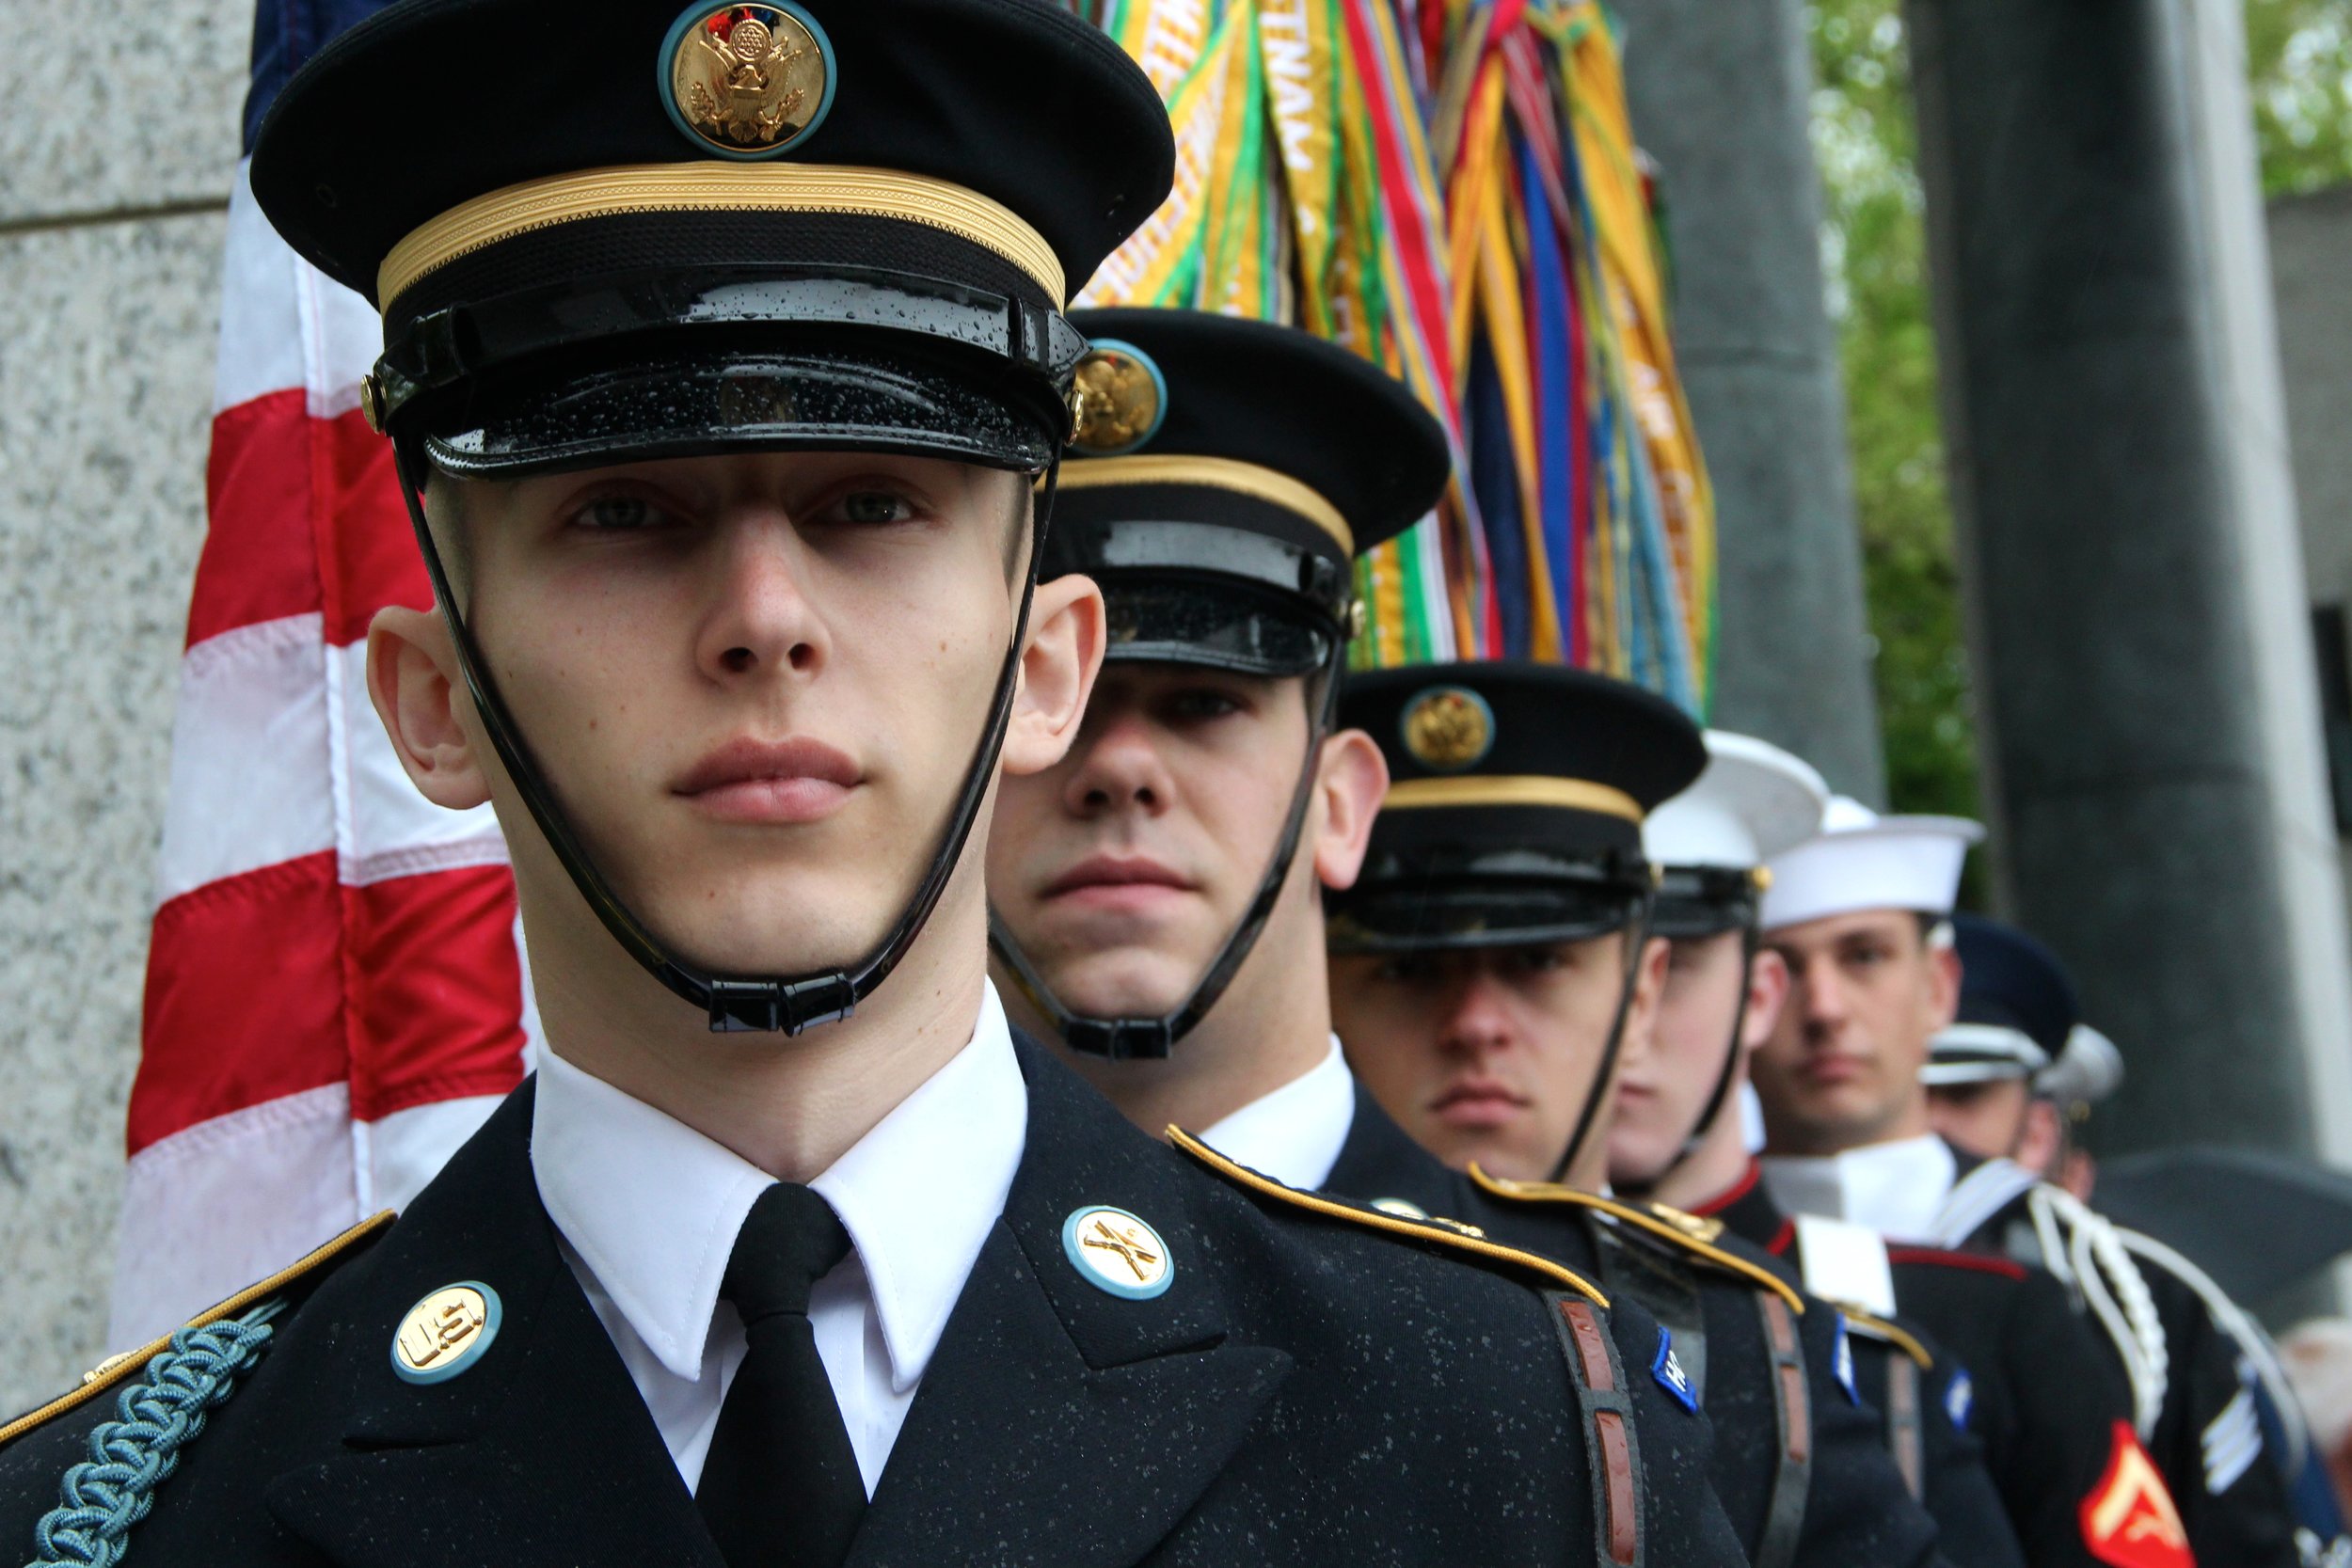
(1897, 1189)
(1295, 1134)
(648, 1209)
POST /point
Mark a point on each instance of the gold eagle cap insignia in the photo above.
(1117, 399)
(1447, 728)
(748, 81)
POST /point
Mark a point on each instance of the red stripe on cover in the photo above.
(244, 996)
(274, 470)
(436, 988)
(1983, 1263)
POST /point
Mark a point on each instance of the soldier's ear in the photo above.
(1351, 778)
(1057, 670)
(414, 682)
(1942, 984)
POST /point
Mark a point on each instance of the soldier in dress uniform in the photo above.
(1155, 894)
(1485, 965)
(2198, 1369)
(1677, 1139)
(727, 374)
(1857, 1189)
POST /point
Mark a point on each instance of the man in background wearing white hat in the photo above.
(1677, 1139)
(1860, 916)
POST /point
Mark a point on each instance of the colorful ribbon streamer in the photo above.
(1451, 189)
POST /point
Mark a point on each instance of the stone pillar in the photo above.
(119, 166)
(1720, 97)
(2128, 541)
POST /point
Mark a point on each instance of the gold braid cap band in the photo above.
(712, 188)
(1514, 789)
(1213, 473)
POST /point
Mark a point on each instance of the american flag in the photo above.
(336, 993)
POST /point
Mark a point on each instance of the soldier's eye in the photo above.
(617, 513)
(869, 507)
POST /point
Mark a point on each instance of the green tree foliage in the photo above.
(1874, 255)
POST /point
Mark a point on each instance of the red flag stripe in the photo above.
(281, 980)
(274, 468)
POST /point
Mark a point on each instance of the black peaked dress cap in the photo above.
(629, 230)
(1017, 100)
(1516, 799)
(2009, 979)
(1246, 465)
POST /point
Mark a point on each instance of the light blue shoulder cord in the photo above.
(131, 1455)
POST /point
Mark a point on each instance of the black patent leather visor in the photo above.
(722, 399)
(1393, 910)
(1178, 621)
(1703, 901)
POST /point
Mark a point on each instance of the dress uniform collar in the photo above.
(653, 1207)
(1295, 1134)
(1896, 1188)
(1038, 1376)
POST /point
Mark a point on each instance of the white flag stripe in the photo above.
(396, 1155)
(282, 324)
(211, 1210)
(259, 1188)
(248, 756)
(394, 830)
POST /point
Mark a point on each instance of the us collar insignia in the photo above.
(746, 81)
(446, 1333)
(1668, 1368)
(1447, 728)
(1118, 399)
(1117, 1253)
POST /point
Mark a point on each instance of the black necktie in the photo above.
(781, 1488)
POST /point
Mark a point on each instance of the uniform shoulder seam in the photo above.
(118, 1368)
(1871, 1327)
(1650, 1225)
(1432, 1234)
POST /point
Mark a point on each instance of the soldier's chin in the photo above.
(757, 951)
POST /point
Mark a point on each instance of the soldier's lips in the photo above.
(1478, 1105)
(770, 781)
(1835, 1068)
(1118, 883)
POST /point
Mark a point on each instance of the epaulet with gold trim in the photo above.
(1442, 1234)
(1684, 1232)
(116, 1370)
(1871, 1327)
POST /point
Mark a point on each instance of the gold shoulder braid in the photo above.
(1681, 1239)
(1871, 1327)
(1447, 1235)
(115, 1369)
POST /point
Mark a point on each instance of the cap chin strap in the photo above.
(785, 1003)
(1121, 1039)
(1751, 943)
(1637, 937)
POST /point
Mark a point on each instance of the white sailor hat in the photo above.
(1863, 860)
(1709, 844)
(1753, 802)
(2087, 1072)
